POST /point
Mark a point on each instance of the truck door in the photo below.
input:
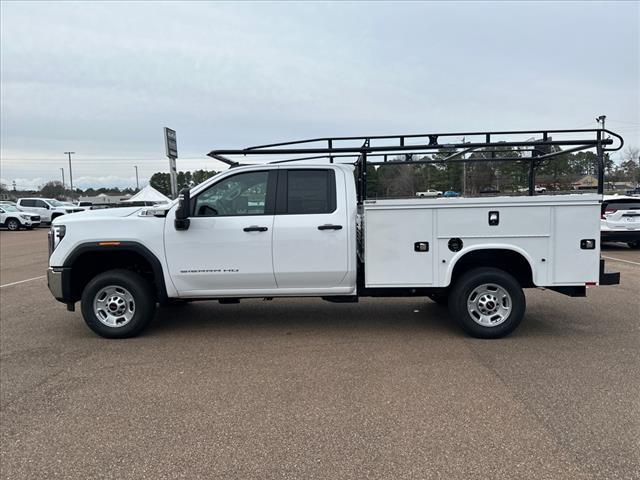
(227, 247)
(310, 231)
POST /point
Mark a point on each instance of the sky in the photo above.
(103, 79)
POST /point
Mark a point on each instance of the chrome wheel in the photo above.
(114, 306)
(489, 305)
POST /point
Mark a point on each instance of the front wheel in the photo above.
(118, 304)
(13, 224)
(487, 303)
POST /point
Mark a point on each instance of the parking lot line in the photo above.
(27, 280)
(620, 260)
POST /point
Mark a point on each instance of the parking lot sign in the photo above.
(171, 142)
(171, 146)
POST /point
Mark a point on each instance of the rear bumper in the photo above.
(608, 277)
(619, 235)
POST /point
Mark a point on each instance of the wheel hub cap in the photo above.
(489, 305)
(114, 306)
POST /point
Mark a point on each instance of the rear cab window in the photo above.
(306, 191)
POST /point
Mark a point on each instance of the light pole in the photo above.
(70, 173)
(62, 171)
(137, 185)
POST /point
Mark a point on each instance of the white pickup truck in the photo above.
(305, 229)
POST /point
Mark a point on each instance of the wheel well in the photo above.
(88, 264)
(508, 260)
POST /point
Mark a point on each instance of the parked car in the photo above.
(84, 205)
(14, 219)
(620, 220)
(429, 193)
(537, 189)
(48, 208)
(450, 193)
(7, 202)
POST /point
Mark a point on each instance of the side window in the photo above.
(27, 203)
(241, 194)
(40, 204)
(311, 191)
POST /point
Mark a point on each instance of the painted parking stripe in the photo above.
(621, 260)
(27, 280)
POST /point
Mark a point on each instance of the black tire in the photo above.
(131, 282)
(439, 298)
(465, 286)
(635, 244)
(13, 224)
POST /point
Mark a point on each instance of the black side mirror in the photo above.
(183, 211)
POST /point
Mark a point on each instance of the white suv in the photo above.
(47, 208)
(15, 219)
(620, 220)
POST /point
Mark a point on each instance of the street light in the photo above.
(137, 186)
(70, 173)
(62, 171)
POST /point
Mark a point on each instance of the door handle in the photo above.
(330, 227)
(255, 228)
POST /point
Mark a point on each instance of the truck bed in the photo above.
(545, 230)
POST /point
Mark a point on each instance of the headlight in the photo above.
(69, 211)
(56, 234)
(24, 217)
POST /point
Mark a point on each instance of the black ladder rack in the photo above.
(539, 144)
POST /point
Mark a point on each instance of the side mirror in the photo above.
(184, 209)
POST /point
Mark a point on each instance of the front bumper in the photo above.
(59, 283)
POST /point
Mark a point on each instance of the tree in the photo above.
(630, 166)
(53, 189)
(162, 182)
(200, 176)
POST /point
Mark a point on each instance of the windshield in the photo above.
(626, 204)
(9, 208)
(56, 203)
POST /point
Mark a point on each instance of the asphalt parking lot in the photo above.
(388, 388)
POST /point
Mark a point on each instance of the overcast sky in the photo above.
(102, 79)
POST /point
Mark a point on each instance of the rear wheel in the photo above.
(118, 304)
(13, 224)
(487, 303)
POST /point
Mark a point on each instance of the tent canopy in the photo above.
(149, 194)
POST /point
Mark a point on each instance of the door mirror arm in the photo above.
(183, 211)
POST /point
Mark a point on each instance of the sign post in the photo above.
(171, 147)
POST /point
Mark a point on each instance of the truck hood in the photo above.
(95, 214)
